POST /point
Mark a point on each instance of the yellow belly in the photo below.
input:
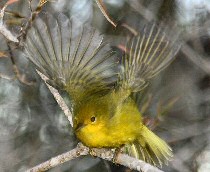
(120, 130)
(115, 125)
(109, 139)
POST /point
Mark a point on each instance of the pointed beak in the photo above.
(79, 126)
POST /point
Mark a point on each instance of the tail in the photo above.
(150, 148)
(146, 55)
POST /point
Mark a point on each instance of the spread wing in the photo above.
(72, 55)
(151, 51)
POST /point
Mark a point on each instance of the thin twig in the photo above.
(105, 13)
(132, 30)
(18, 75)
(4, 31)
(58, 98)
(6, 77)
(33, 14)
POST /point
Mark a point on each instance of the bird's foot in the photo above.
(116, 153)
(92, 152)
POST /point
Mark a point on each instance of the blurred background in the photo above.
(32, 126)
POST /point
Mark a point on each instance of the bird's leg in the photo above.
(116, 153)
(92, 152)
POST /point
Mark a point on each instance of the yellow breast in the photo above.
(118, 121)
(124, 127)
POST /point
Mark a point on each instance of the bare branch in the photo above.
(20, 76)
(105, 13)
(132, 30)
(75, 153)
(4, 31)
(58, 98)
(135, 164)
(105, 154)
(6, 77)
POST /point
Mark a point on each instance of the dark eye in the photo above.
(92, 119)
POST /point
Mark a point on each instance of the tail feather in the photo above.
(150, 148)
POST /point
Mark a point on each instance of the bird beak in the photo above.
(79, 126)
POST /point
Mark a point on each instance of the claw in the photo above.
(92, 152)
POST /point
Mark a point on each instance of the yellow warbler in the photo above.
(76, 58)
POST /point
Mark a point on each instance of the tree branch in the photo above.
(20, 76)
(105, 154)
(105, 13)
(4, 31)
(74, 153)
(58, 98)
(3, 76)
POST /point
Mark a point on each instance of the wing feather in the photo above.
(151, 51)
(72, 55)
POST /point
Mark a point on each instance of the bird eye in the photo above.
(92, 119)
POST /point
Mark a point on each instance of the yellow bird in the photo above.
(100, 86)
